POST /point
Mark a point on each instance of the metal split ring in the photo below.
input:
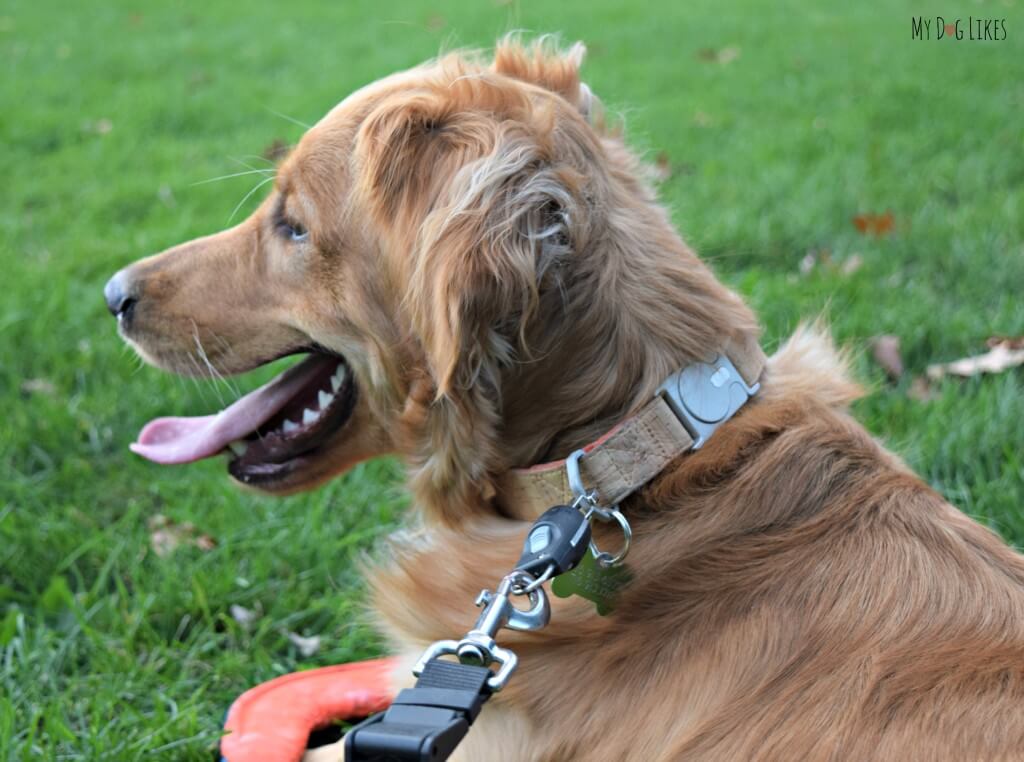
(524, 584)
(603, 558)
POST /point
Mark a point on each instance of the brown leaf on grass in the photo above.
(1002, 356)
(877, 225)
(165, 536)
(38, 386)
(662, 167)
(723, 56)
(436, 23)
(822, 259)
(851, 264)
(921, 390)
(276, 150)
(886, 351)
(813, 259)
(1011, 342)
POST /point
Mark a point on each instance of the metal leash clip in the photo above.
(478, 647)
(587, 501)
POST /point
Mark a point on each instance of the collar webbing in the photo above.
(689, 406)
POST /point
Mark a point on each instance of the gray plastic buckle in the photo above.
(705, 395)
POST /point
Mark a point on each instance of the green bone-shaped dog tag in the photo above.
(600, 584)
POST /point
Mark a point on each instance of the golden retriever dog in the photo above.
(482, 280)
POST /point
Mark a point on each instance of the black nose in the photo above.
(120, 295)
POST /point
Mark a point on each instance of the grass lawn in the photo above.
(778, 123)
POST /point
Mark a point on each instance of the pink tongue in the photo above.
(184, 440)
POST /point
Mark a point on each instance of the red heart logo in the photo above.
(950, 29)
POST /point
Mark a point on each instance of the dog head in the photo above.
(440, 245)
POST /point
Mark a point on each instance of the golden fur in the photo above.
(487, 256)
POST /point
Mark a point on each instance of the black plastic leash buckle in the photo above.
(425, 723)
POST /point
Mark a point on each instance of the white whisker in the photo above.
(251, 171)
(245, 198)
(288, 118)
(214, 373)
(238, 160)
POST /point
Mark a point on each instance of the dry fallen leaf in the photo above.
(815, 258)
(38, 386)
(165, 536)
(921, 390)
(874, 224)
(726, 55)
(1011, 342)
(307, 646)
(242, 615)
(886, 351)
(1000, 357)
(662, 167)
(851, 264)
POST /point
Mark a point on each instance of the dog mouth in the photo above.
(269, 433)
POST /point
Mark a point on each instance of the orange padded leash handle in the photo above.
(272, 722)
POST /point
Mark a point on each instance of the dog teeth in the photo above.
(289, 426)
(339, 377)
(308, 416)
(324, 399)
(238, 447)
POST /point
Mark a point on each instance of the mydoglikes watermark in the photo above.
(938, 28)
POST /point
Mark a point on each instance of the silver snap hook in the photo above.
(586, 501)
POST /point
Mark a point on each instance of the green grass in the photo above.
(111, 112)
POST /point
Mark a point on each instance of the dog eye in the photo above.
(295, 231)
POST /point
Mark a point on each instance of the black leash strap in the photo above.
(425, 723)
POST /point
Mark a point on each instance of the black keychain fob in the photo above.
(558, 539)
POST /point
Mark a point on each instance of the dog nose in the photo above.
(120, 295)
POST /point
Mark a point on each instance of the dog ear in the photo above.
(480, 217)
(403, 147)
(541, 63)
(483, 257)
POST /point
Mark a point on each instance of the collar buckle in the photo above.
(704, 395)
